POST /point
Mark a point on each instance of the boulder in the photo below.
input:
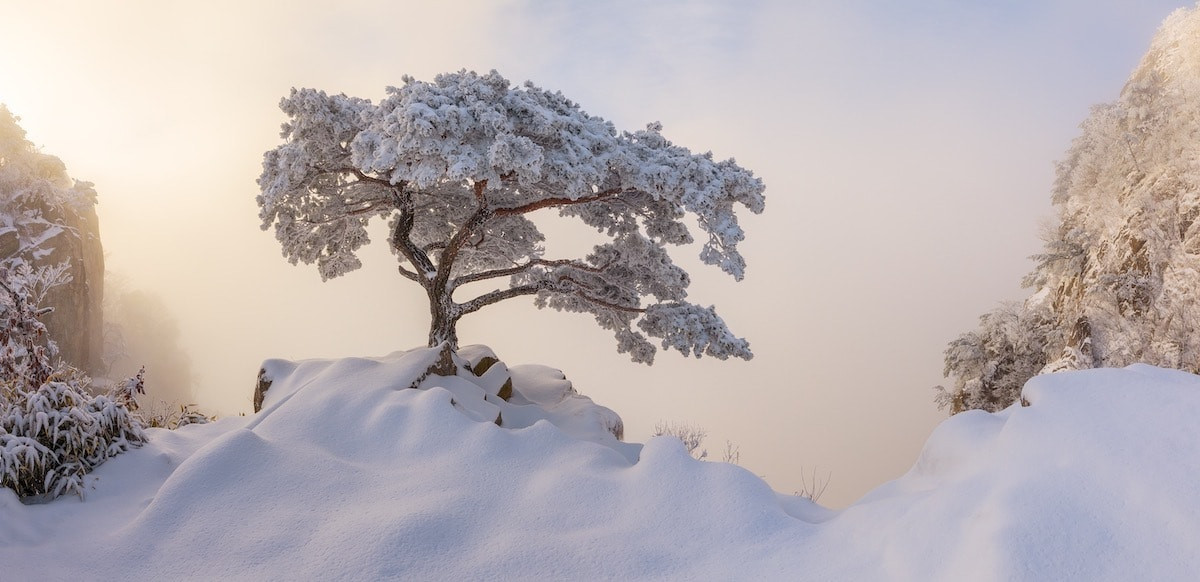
(260, 389)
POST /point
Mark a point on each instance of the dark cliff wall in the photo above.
(77, 323)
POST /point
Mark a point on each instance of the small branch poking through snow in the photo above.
(812, 487)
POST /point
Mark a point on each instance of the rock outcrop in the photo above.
(47, 218)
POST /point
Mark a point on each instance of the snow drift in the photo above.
(349, 474)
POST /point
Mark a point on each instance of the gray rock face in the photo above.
(77, 322)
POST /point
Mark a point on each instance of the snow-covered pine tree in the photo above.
(1120, 277)
(458, 166)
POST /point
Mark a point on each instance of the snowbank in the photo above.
(348, 474)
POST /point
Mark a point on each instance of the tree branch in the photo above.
(515, 269)
(579, 292)
(561, 201)
(502, 294)
(499, 295)
(401, 241)
(370, 207)
(469, 227)
(602, 303)
(372, 179)
(359, 175)
(409, 274)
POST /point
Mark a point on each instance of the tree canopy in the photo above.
(458, 166)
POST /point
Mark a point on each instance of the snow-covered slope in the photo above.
(348, 474)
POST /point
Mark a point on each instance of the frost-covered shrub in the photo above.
(690, 435)
(53, 431)
(174, 417)
(52, 436)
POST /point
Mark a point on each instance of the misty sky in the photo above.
(908, 150)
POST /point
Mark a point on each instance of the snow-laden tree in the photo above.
(459, 166)
(1119, 279)
(992, 363)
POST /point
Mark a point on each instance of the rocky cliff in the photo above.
(47, 218)
(1119, 280)
(77, 322)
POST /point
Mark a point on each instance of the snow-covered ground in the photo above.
(347, 474)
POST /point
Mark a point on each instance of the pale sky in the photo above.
(907, 147)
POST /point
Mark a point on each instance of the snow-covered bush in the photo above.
(991, 364)
(52, 436)
(690, 435)
(53, 431)
(174, 417)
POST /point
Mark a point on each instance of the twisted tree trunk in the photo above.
(443, 322)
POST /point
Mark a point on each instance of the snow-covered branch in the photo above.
(562, 201)
(497, 296)
(465, 232)
(401, 240)
(524, 267)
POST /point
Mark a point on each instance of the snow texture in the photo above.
(347, 474)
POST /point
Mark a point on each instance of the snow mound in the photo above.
(349, 474)
(1093, 480)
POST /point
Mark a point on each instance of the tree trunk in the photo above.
(442, 333)
(442, 323)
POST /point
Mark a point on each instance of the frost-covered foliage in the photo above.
(992, 363)
(458, 166)
(53, 431)
(172, 418)
(1119, 279)
(31, 182)
(690, 435)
